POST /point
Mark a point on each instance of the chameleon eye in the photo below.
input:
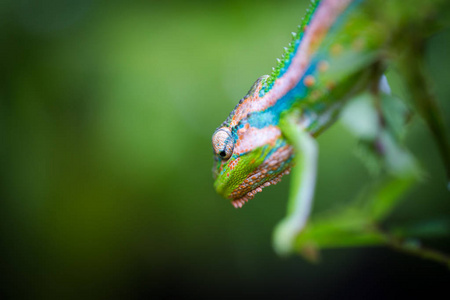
(223, 143)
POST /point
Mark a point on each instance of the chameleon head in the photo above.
(242, 170)
(250, 153)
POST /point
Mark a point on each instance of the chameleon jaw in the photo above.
(238, 203)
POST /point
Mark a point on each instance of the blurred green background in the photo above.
(106, 113)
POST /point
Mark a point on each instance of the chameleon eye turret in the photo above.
(223, 143)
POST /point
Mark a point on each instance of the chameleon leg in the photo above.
(303, 182)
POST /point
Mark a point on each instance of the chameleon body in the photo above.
(340, 50)
(302, 80)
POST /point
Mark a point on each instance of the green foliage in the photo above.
(380, 120)
(376, 118)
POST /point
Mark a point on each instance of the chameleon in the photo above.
(340, 50)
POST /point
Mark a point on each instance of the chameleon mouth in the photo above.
(238, 203)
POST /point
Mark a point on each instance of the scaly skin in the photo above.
(338, 51)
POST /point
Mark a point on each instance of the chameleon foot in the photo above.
(284, 236)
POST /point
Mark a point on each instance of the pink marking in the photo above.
(323, 18)
(253, 137)
(248, 105)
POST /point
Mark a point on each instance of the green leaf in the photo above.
(342, 228)
(385, 196)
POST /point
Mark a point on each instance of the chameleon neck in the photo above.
(292, 83)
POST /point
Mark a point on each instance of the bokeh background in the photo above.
(106, 114)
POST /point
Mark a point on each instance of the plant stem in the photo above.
(414, 247)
